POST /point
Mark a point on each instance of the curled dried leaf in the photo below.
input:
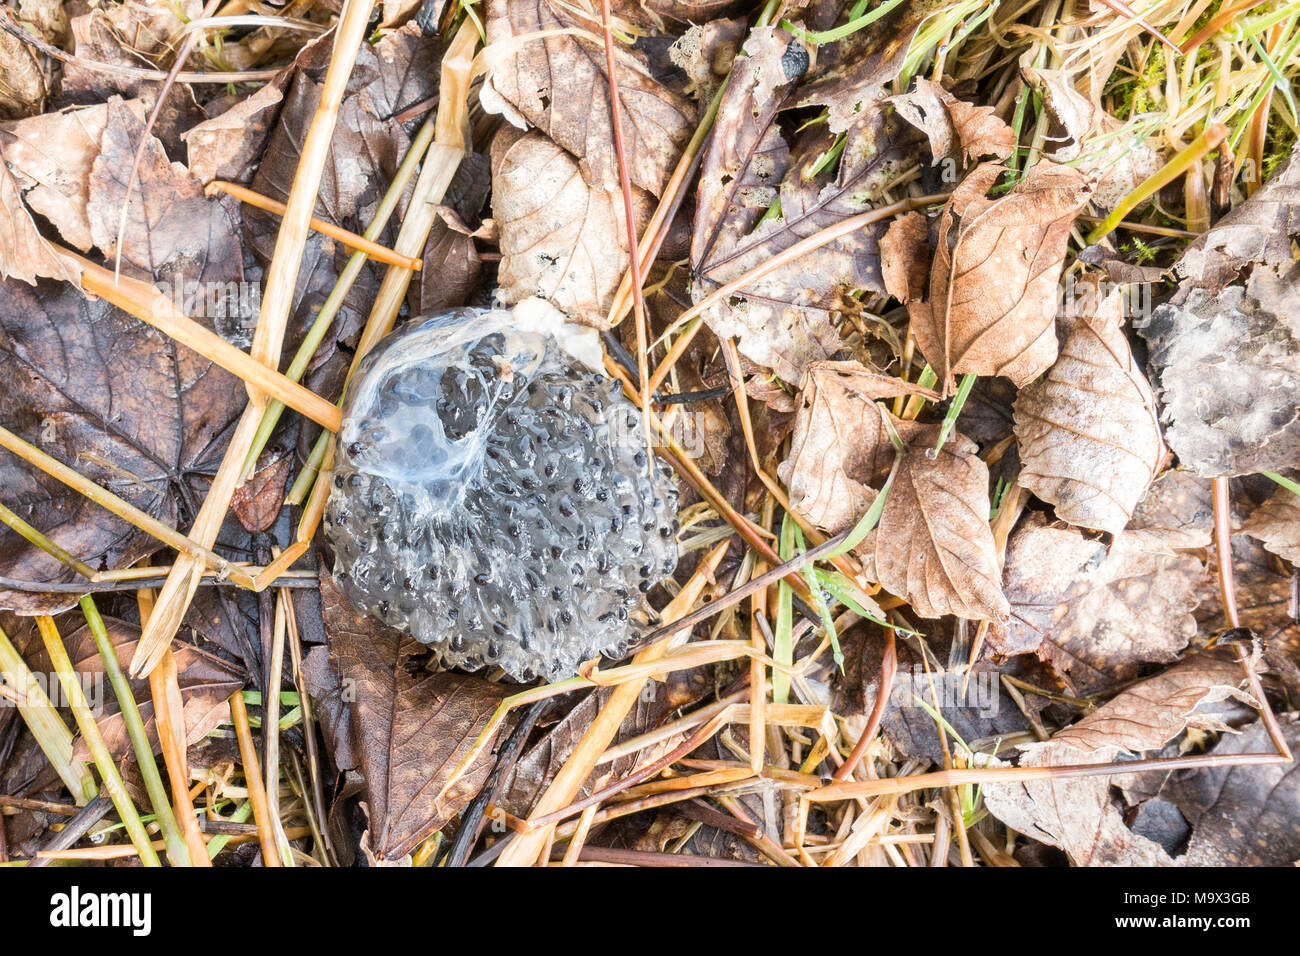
(991, 307)
(958, 131)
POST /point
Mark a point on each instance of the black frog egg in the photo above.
(491, 495)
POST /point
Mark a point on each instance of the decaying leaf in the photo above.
(561, 239)
(24, 79)
(1245, 815)
(411, 726)
(257, 502)
(1229, 369)
(841, 453)
(172, 229)
(1078, 815)
(1095, 613)
(934, 545)
(205, 681)
(1276, 523)
(50, 157)
(991, 307)
(24, 253)
(559, 83)
(958, 131)
(1088, 433)
(119, 401)
(228, 145)
(758, 197)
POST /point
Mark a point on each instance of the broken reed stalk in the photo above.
(271, 723)
(801, 248)
(526, 848)
(451, 142)
(120, 507)
(324, 319)
(629, 215)
(281, 279)
(362, 245)
(151, 306)
(99, 751)
(266, 830)
(177, 850)
(308, 723)
(42, 719)
(169, 720)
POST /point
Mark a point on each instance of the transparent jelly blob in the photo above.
(492, 496)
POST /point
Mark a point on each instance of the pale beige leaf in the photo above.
(1088, 432)
(934, 546)
(24, 253)
(1078, 814)
(991, 307)
(561, 240)
(50, 157)
(840, 451)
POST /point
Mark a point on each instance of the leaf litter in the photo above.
(862, 235)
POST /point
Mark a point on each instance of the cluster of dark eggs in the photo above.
(492, 497)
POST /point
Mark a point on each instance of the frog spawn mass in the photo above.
(492, 497)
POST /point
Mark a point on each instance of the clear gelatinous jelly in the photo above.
(492, 496)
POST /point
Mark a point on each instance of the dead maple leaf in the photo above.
(784, 320)
(934, 546)
(1095, 613)
(1078, 815)
(958, 131)
(991, 307)
(840, 452)
(411, 726)
(1088, 433)
(561, 239)
(559, 84)
(119, 401)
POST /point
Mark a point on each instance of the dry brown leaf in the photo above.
(905, 257)
(228, 145)
(840, 453)
(934, 546)
(411, 726)
(1078, 815)
(991, 308)
(1276, 523)
(957, 130)
(24, 81)
(559, 84)
(205, 680)
(561, 240)
(1094, 613)
(1088, 433)
(257, 502)
(24, 253)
